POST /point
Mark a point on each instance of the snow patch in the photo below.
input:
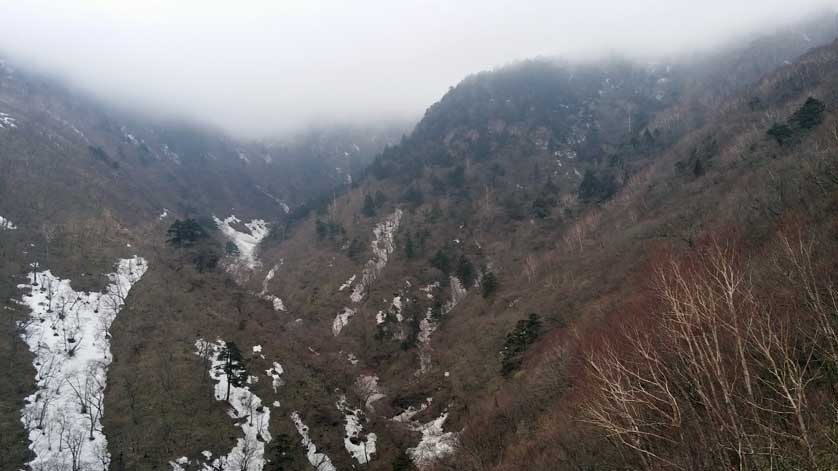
(68, 334)
(434, 444)
(245, 408)
(247, 243)
(341, 320)
(276, 376)
(428, 290)
(171, 154)
(358, 448)
(383, 245)
(407, 415)
(368, 387)
(320, 461)
(458, 293)
(273, 299)
(128, 136)
(347, 284)
(164, 214)
(6, 225)
(396, 309)
(357, 293)
(428, 324)
(6, 121)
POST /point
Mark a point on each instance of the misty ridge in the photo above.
(265, 70)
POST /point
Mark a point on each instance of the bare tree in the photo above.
(247, 456)
(74, 442)
(530, 267)
(725, 382)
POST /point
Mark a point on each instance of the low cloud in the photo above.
(261, 68)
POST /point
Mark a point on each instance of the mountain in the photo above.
(601, 265)
(179, 166)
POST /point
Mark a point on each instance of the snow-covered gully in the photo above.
(428, 325)
(67, 332)
(435, 442)
(246, 408)
(383, 245)
(277, 303)
(320, 461)
(246, 243)
(361, 450)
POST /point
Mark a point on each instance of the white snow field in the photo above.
(68, 333)
(246, 243)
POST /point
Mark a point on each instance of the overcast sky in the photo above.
(263, 67)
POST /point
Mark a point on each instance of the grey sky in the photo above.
(258, 68)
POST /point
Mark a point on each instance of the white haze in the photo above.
(259, 68)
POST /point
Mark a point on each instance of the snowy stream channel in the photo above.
(68, 334)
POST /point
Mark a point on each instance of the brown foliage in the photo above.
(733, 373)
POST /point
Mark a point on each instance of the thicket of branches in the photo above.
(736, 369)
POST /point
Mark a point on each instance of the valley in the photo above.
(604, 264)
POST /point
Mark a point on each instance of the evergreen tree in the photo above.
(550, 187)
(205, 258)
(185, 233)
(465, 271)
(809, 115)
(698, 169)
(517, 342)
(409, 250)
(231, 248)
(433, 215)
(233, 366)
(355, 248)
(401, 462)
(597, 188)
(321, 228)
(541, 207)
(457, 177)
(281, 451)
(781, 133)
(442, 260)
(414, 196)
(380, 199)
(368, 209)
(436, 310)
(489, 283)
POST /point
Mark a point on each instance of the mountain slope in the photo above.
(565, 193)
